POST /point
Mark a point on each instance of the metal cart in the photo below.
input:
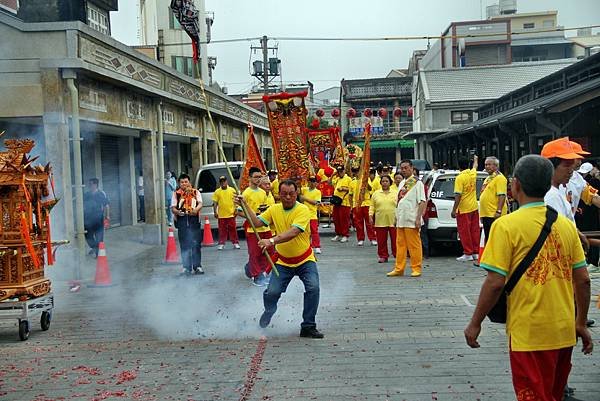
(25, 311)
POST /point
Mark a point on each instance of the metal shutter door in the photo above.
(485, 55)
(109, 152)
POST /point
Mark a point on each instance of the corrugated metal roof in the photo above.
(486, 82)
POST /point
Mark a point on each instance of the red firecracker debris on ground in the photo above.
(126, 376)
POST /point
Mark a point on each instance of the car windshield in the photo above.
(209, 179)
(443, 188)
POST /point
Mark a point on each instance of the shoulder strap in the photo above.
(551, 216)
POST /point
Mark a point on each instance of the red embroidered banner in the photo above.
(325, 147)
(253, 159)
(287, 120)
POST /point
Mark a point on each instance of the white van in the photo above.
(207, 181)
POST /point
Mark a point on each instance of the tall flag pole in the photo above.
(365, 165)
(188, 17)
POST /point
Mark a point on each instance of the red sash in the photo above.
(294, 260)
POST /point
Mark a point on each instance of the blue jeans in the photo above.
(309, 275)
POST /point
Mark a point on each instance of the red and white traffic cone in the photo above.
(103, 276)
(481, 247)
(172, 256)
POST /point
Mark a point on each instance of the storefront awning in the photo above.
(388, 143)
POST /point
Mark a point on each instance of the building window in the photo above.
(173, 23)
(529, 25)
(97, 19)
(185, 65)
(461, 117)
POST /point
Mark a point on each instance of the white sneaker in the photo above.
(360, 243)
(236, 246)
(220, 247)
(336, 238)
(465, 258)
(344, 239)
(318, 251)
(475, 256)
(373, 242)
(325, 226)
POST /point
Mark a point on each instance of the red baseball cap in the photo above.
(560, 148)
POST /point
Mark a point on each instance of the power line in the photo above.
(390, 38)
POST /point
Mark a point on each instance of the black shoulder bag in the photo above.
(498, 312)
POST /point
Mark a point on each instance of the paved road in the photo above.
(155, 336)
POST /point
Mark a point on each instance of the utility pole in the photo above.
(265, 50)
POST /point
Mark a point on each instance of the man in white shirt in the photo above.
(409, 218)
(563, 157)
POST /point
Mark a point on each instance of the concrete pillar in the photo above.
(196, 156)
(151, 189)
(58, 144)
(221, 133)
(132, 190)
(126, 181)
(97, 158)
(204, 141)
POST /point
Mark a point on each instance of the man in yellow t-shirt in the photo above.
(465, 210)
(360, 213)
(224, 211)
(341, 213)
(492, 201)
(258, 265)
(542, 320)
(295, 256)
(311, 197)
(274, 184)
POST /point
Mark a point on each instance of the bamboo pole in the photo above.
(233, 182)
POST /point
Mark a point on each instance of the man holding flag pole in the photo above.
(187, 15)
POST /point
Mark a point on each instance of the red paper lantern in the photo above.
(368, 112)
(351, 113)
(315, 123)
(411, 111)
(320, 113)
(382, 112)
(397, 112)
(335, 113)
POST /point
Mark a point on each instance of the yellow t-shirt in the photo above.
(283, 220)
(383, 207)
(255, 198)
(465, 186)
(275, 187)
(375, 184)
(541, 308)
(343, 182)
(313, 195)
(495, 185)
(354, 188)
(224, 199)
(588, 194)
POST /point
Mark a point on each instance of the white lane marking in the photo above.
(464, 298)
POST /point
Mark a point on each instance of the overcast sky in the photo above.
(326, 63)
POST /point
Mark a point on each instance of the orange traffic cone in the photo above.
(172, 256)
(103, 277)
(208, 238)
(481, 246)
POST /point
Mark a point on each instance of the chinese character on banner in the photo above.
(357, 125)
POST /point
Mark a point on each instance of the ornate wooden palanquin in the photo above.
(25, 205)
